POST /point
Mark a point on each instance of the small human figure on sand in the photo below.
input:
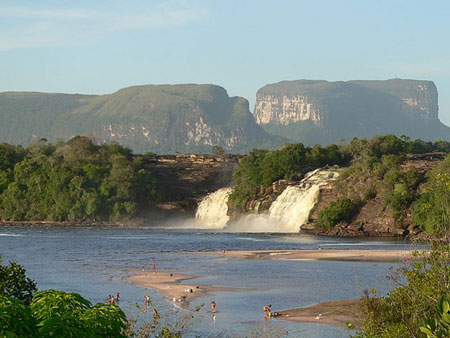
(213, 306)
(147, 300)
(143, 270)
(111, 300)
(117, 297)
(154, 268)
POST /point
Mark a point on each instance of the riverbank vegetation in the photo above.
(418, 304)
(72, 181)
(261, 168)
(27, 312)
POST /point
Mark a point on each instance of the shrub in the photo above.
(420, 286)
(217, 150)
(342, 210)
(15, 284)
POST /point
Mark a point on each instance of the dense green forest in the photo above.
(77, 180)
(377, 162)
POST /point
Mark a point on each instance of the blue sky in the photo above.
(102, 46)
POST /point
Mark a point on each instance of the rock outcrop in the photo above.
(158, 118)
(184, 179)
(326, 112)
(373, 219)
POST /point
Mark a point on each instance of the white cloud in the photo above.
(40, 27)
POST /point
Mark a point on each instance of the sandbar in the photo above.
(355, 255)
(169, 285)
(336, 313)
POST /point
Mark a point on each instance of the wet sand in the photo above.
(358, 255)
(169, 285)
(336, 313)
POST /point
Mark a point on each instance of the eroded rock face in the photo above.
(285, 109)
(422, 95)
(293, 101)
(183, 180)
(322, 112)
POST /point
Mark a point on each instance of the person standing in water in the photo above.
(213, 307)
(155, 315)
(117, 297)
(147, 300)
(266, 309)
(154, 268)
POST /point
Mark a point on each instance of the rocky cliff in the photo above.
(158, 118)
(326, 112)
(184, 179)
(373, 219)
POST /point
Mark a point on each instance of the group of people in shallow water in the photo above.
(114, 300)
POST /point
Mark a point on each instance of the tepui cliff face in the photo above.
(158, 118)
(324, 112)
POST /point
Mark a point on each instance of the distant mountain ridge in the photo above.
(158, 118)
(318, 111)
(193, 117)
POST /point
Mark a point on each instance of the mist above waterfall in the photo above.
(287, 213)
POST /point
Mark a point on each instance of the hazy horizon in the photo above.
(98, 48)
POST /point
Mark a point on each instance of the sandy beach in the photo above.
(359, 255)
(169, 285)
(336, 313)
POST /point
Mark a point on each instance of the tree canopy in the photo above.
(74, 181)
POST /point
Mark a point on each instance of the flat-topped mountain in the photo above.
(158, 118)
(325, 112)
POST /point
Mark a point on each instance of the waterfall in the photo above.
(287, 213)
(212, 210)
(292, 208)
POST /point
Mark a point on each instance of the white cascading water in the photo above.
(287, 213)
(212, 210)
(293, 206)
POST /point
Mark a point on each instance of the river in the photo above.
(95, 261)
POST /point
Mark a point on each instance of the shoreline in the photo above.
(350, 255)
(335, 313)
(169, 285)
(133, 222)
